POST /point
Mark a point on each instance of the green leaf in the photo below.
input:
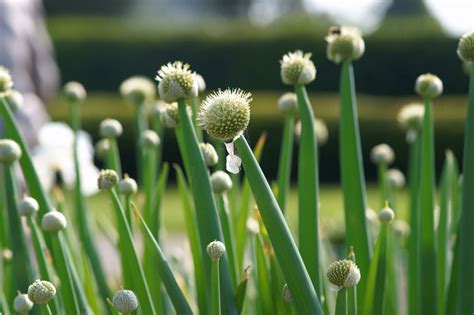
(285, 161)
(299, 283)
(263, 281)
(352, 176)
(466, 232)
(241, 291)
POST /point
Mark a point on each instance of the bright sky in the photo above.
(457, 16)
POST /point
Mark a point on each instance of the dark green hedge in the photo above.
(101, 52)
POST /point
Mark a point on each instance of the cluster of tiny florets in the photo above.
(75, 92)
(139, 90)
(466, 47)
(429, 85)
(225, 114)
(288, 103)
(382, 154)
(107, 179)
(343, 273)
(297, 68)
(14, 99)
(41, 291)
(6, 82)
(176, 82)
(215, 250)
(344, 43)
(125, 301)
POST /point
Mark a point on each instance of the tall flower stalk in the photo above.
(298, 70)
(345, 45)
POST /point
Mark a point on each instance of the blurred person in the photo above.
(26, 50)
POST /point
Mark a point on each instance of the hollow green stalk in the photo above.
(28, 169)
(194, 109)
(352, 176)
(158, 128)
(263, 279)
(215, 288)
(45, 309)
(385, 193)
(308, 192)
(141, 124)
(285, 161)
(352, 291)
(297, 277)
(176, 295)
(341, 302)
(22, 268)
(113, 156)
(135, 268)
(414, 221)
(82, 217)
(427, 237)
(206, 210)
(466, 232)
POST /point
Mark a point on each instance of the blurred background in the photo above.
(238, 43)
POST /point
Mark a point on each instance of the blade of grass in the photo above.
(308, 192)
(205, 206)
(297, 277)
(466, 232)
(194, 244)
(352, 176)
(176, 295)
(285, 161)
(427, 252)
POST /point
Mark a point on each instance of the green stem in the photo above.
(308, 192)
(194, 108)
(206, 210)
(352, 176)
(113, 156)
(341, 302)
(140, 126)
(82, 217)
(466, 233)
(285, 161)
(45, 308)
(215, 289)
(297, 277)
(427, 241)
(414, 221)
(21, 259)
(383, 185)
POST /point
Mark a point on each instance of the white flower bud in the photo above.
(288, 103)
(382, 154)
(221, 182)
(343, 273)
(344, 43)
(466, 47)
(200, 82)
(28, 206)
(9, 151)
(41, 291)
(101, 148)
(386, 215)
(225, 114)
(215, 250)
(22, 304)
(54, 221)
(6, 82)
(15, 99)
(138, 90)
(107, 179)
(176, 82)
(169, 116)
(396, 178)
(297, 68)
(125, 301)
(209, 153)
(127, 186)
(411, 115)
(110, 128)
(428, 85)
(149, 139)
(75, 92)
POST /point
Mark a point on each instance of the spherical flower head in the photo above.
(176, 82)
(110, 128)
(220, 182)
(466, 47)
(320, 130)
(157, 109)
(127, 186)
(410, 116)
(200, 82)
(149, 139)
(209, 154)
(41, 291)
(22, 304)
(54, 221)
(429, 85)
(344, 43)
(286, 294)
(396, 178)
(9, 151)
(101, 148)
(170, 116)
(288, 103)
(297, 68)
(343, 273)
(138, 90)
(28, 206)
(75, 92)
(382, 154)
(225, 114)
(107, 179)
(215, 250)
(15, 99)
(6, 82)
(125, 301)
(386, 215)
